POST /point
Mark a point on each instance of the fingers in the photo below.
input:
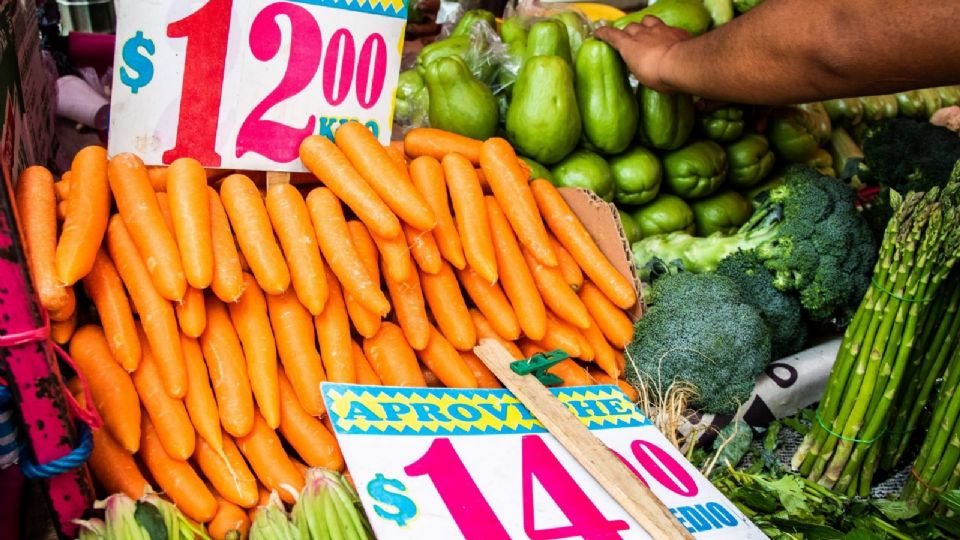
(651, 22)
(619, 39)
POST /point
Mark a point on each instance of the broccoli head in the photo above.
(909, 155)
(807, 232)
(699, 330)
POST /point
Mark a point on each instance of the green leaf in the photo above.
(733, 442)
(771, 437)
(951, 499)
(150, 518)
(896, 510)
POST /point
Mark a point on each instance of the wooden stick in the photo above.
(625, 488)
(275, 177)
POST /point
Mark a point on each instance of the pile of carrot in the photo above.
(221, 304)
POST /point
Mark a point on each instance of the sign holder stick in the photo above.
(277, 177)
(593, 455)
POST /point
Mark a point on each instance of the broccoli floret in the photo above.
(781, 311)
(698, 330)
(807, 233)
(909, 155)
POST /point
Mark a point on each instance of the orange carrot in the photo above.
(559, 335)
(410, 309)
(486, 331)
(270, 462)
(430, 377)
(156, 313)
(229, 523)
(529, 348)
(158, 178)
(567, 265)
(437, 143)
(365, 373)
(392, 358)
(424, 249)
(575, 238)
(227, 282)
(333, 335)
(307, 435)
(509, 185)
(492, 302)
(293, 329)
(114, 467)
(176, 477)
(442, 358)
(568, 370)
(263, 497)
(137, 205)
(485, 378)
(365, 321)
(291, 221)
(61, 188)
(328, 163)
(169, 414)
(442, 293)
(556, 294)
(227, 472)
(602, 378)
(390, 182)
(62, 331)
(252, 322)
(471, 215)
(228, 370)
(397, 157)
(427, 176)
(187, 193)
(104, 287)
(396, 260)
(36, 206)
(68, 310)
(621, 360)
(613, 322)
(515, 276)
(604, 355)
(85, 221)
(111, 388)
(191, 312)
(333, 235)
(484, 185)
(200, 403)
(61, 213)
(250, 223)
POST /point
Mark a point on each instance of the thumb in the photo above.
(615, 37)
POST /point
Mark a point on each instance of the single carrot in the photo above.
(333, 335)
(601, 377)
(111, 388)
(36, 207)
(187, 193)
(293, 330)
(568, 370)
(61, 213)
(250, 222)
(62, 331)
(229, 523)
(365, 373)
(410, 309)
(492, 302)
(176, 477)
(331, 166)
(427, 176)
(571, 271)
(604, 355)
(227, 281)
(392, 358)
(398, 147)
(114, 467)
(508, 181)
(68, 310)
(156, 313)
(158, 178)
(252, 322)
(191, 312)
(485, 378)
(632, 394)
(168, 414)
(228, 370)
(225, 469)
(263, 497)
(471, 215)
(137, 205)
(575, 238)
(437, 143)
(270, 462)
(559, 336)
(484, 185)
(395, 253)
(85, 221)
(442, 292)
(529, 347)
(424, 249)
(365, 321)
(485, 330)
(515, 276)
(442, 358)
(391, 183)
(291, 221)
(333, 235)
(430, 378)
(305, 433)
(556, 293)
(200, 403)
(397, 157)
(613, 322)
(621, 359)
(61, 188)
(104, 287)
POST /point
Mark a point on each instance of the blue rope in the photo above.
(77, 457)
(6, 397)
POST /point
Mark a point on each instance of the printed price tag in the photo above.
(475, 464)
(238, 84)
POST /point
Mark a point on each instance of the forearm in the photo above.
(793, 51)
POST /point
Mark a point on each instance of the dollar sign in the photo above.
(404, 509)
(139, 62)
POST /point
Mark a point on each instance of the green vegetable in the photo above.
(458, 101)
(637, 173)
(272, 522)
(121, 522)
(807, 232)
(877, 108)
(723, 125)
(722, 213)
(507, 74)
(458, 46)
(471, 19)
(607, 106)
(549, 38)
(909, 155)
(931, 101)
(822, 161)
(666, 214)
(585, 169)
(756, 194)
(543, 121)
(91, 529)
(949, 95)
(732, 443)
(690, 15)
(911, 104)
(413, 99)
(666, 120)
(630, 228)
(721, 11)
(749, 161)
(845, 153)
(537, 170)
(329, 508)
(743, 6)
(696, 170)
(795, 133)
(513, 29)
(698, 330)
(578, 29)
(847, 111)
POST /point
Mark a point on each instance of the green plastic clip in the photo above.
(538, 365)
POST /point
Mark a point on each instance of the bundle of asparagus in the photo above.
(920, 246)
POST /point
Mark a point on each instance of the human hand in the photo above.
(644, 47)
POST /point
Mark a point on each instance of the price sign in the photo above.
(238, 84)
(475, 464)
